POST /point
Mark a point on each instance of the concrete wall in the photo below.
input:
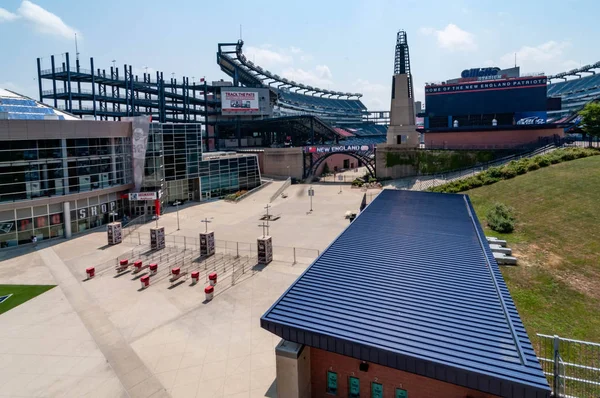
(488, 139)
(397, 171)
(334, 161)
(416, 386)
(275, 162)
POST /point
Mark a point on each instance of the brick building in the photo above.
(407, 302)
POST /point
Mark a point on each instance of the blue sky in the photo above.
(341, 45)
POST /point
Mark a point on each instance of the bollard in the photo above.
(137, 264)
(175, 271)
(91, 271)
(294, 255)
(212, 278)
(195, 277)
(153, 268)
(145, 280)
(209, 292)
(123, 262)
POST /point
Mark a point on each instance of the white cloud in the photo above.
(45, 21)
(376, 95)
(7, 16)
(548, 57)
(319, 77)
(267, 58)
(453, 38)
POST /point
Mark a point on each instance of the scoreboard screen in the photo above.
(477, 98)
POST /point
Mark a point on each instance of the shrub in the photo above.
(533, 166)
(500, 218)
(544, 161)
(494, 172)
(358, 182)
(509, 171)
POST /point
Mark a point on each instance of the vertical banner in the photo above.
(157, 207)
(140, 126)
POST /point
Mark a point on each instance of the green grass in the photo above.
(20, 294)
(556, 286)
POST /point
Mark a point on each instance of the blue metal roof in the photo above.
(412, 284)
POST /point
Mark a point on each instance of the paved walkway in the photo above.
(134, 376)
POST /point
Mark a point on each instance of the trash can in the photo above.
(123, 263)
(153, 268)
(209, 292)
(91, 271)
(138, 264)
(175, 271)
(145, 281)
(195, 277)
(212, 278)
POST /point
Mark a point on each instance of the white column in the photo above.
(67, 219)
(292, 363)
(65, 166)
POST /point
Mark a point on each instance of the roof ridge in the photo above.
(505, 310)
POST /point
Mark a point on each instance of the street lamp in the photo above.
(113, 215)
(177, 203)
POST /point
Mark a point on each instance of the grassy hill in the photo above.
(556, 285)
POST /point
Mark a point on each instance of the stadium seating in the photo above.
(310, 103)
(363, 140)
(574, 93)
(574, 86)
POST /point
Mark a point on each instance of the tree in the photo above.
(590, 119)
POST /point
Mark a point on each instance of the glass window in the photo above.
(353, 387)
(332, 383)
(376, 390)
(400, 393)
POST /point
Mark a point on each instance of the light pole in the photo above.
(177, 203)
(113, 214)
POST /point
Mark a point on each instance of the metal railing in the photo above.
(286, 254)
(282, 188)
(572, 367)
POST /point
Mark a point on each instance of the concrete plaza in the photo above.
(105, 337)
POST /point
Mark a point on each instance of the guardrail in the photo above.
(293, 255)
(286, 184)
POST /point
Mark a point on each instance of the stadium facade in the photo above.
(489, 108)
(61, 175)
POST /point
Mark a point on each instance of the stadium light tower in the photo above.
(402, 129)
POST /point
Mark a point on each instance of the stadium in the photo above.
(370, 292)
(494, 108)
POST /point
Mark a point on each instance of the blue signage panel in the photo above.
(530, 118)
(477, 72)
(491, 85)
(493, 97)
